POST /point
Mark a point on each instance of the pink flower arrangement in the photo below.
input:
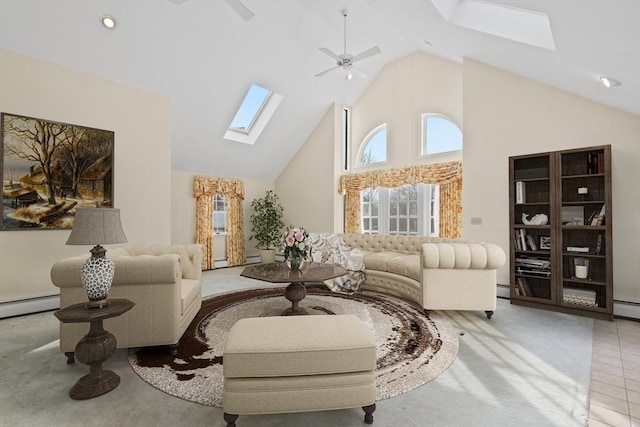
(295, 243)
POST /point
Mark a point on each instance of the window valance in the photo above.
(437, 173)
(210, 185)
(447, 175)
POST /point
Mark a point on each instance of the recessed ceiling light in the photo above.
(609, 82)
(109, 21)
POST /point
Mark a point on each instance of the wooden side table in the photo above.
(95, 347)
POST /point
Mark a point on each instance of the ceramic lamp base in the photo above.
(97, 276)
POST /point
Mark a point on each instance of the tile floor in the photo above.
(615, 374)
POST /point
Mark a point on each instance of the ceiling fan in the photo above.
(346, 60)
(236, 5)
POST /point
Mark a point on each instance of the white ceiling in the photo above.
(205, 56)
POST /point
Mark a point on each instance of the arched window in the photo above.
(374, 146)
(439, 135)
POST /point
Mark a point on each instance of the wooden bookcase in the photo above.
(563, 263)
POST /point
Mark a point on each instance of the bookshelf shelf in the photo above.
(573, 189)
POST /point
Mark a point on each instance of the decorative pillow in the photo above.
(330, 248)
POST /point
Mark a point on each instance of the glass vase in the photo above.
(295, 263)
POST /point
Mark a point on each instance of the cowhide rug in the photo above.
(412, 350)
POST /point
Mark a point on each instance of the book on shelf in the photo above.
(579, 296)
(520, 193)
(533, 265)
(595, 163)
(533, 271)
(600, 219)
(523, 239)
(525, 287)
(583, 249)
(600, 162)
(599, 243)
(532, 243)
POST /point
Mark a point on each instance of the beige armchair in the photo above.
(163, 281)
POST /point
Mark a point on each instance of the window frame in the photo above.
(214, 210)
(346, 138)
(423, 143)
(427, 212)
(365, 142)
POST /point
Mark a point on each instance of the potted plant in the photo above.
(266, 224)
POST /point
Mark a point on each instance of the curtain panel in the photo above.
(204, 188)
(447, 175)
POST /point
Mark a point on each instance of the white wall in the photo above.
(307, 187)
(142, 164)
(183, 211)
(398, 96)
(508, 115)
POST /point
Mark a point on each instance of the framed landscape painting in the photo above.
(49, 169)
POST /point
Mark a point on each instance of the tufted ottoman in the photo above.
(298, 364)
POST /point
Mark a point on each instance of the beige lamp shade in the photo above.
(96, 226)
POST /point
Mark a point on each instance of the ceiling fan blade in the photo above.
(367, 53)
(327, 71)
(328, 52)
(241, 9)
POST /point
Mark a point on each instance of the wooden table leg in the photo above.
(295, 293)
(93, 349)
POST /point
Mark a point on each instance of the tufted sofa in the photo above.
(436, 273)
(164, 281)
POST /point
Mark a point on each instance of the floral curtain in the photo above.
(447, 175)
(204, 188)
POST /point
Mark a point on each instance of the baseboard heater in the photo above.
(29, 306)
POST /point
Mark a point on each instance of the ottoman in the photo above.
(298, 364)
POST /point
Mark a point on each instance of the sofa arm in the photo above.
(193, 267)
(140, 269)
(462, 255)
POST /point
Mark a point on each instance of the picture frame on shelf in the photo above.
(545, 243)
(573, 215)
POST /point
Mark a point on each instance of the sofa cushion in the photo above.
(405, 265)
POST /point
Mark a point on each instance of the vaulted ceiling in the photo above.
(204, 56)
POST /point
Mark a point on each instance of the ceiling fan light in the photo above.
(108, 21)
(349, 75)
(608, 82)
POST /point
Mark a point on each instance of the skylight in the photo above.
(521, 25)
(253, 103)
(254, 113)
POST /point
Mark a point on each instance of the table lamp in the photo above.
(96, 226)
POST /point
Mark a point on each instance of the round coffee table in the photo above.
(279, 272)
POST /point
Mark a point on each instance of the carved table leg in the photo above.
(368, 413)
(93, 349)
(295, 293)
(489, 314)
(71, 357)
(230, 419)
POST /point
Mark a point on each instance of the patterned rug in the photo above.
(412, 349)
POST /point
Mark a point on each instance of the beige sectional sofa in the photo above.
(436, 273)
(164, 281)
